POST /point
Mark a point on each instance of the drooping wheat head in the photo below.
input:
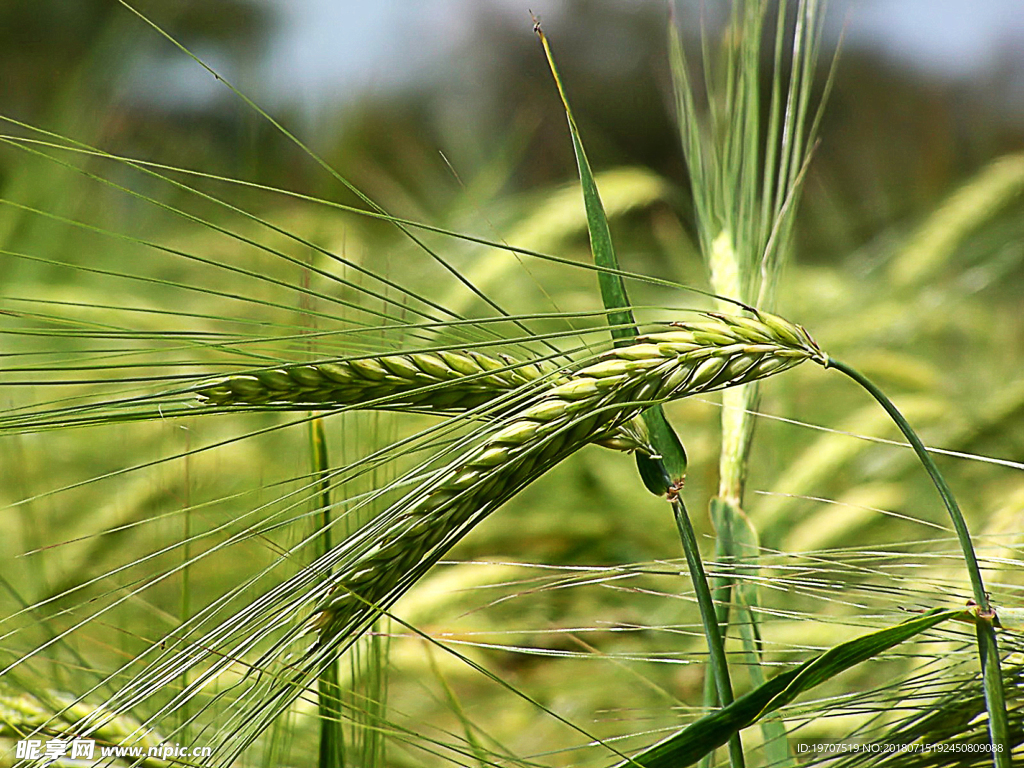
(590, 404)
(346, 588)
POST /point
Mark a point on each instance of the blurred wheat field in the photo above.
(139, 261)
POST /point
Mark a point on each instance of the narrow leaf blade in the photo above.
(713, 730)
(672, 461)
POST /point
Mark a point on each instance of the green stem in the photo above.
(988, 649)
(332, 744)
(959, 524)
(723, 588)
(321, 468)
(995, 698)
(709, 618)
(186, 570)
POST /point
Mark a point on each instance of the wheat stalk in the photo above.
(593, 401)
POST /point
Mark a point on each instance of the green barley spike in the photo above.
(377, 564)
(592, 402)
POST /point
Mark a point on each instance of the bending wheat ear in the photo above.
(593, 401)
(366, 573)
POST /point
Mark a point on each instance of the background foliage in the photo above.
(908, 263)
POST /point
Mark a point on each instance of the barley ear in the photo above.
(591, 404)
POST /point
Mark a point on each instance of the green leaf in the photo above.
(713, 730)
(668, 445)
(653, 474)
(672, 457)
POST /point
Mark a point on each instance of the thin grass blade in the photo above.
(666, 442)
(714, 730)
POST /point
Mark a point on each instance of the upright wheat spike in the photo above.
(594, 400)
(401, 382)
(436, 382)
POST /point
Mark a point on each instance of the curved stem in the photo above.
(959, 524)
(709, 618)
(988, 650)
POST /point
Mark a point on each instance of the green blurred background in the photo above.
(908, 261)
(926, 93)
